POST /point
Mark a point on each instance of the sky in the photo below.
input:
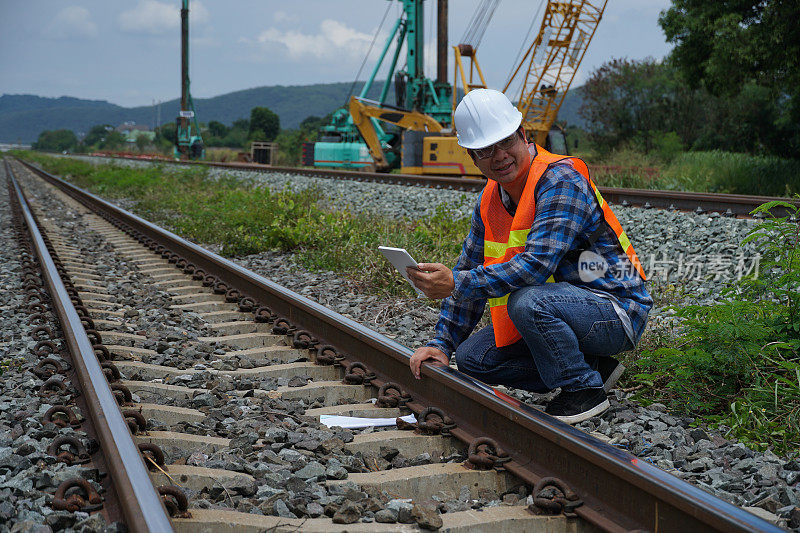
(128, 53)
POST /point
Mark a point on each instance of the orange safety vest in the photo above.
(506, 236)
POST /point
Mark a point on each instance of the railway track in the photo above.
(228, 375)
(732, 205)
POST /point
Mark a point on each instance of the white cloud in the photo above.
(333, 40)
(156, 18)
(283, 16)
(71, 22)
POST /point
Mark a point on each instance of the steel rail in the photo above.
(735, 205)
(620, 492)
(140, 502)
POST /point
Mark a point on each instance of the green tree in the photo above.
(56, 140)
(628, 101)
(113, 141)
(727, 47)
(167, 132)
(241, 124)
(264, 124)
(142, 142)
(96, 134)
(217, 129)
(648, 104)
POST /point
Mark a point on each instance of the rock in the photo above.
(314, 510)
(761, 513)
(282, 510)
(298, 381)
(426, 517)
(349, 513)
(28, 526)
(386, 516)
(794, 518)
(312, 469)
(698, 434)
(94, 522)
(243, 485)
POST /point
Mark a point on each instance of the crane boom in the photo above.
(552, 60)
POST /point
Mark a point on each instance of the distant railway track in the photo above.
(733, 205)
(603, 486)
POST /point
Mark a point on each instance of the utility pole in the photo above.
(441, 41)
(183, 119)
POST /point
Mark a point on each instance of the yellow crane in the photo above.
(551, 61)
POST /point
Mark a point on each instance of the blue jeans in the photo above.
(564, 330)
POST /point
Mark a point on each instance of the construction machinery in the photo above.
(551, 61)
(355, 138)
(188, 141)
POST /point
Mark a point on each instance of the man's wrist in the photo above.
(440, 346)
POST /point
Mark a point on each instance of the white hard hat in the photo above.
(484, 117)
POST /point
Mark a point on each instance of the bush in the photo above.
(738, 362)
(730, 172)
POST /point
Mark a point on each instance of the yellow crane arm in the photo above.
(361, 114)
(552, 61)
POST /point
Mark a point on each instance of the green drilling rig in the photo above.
(356, 139)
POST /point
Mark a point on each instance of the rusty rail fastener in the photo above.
(121, 393)
(220, 287)
(484, 454)
(328, 355)
(433, 421)
(75, 455)
(89, 501)
(358, 374)
(152, 454)
(44, 348)
(246, 304)
(53, 386)
(232, 296)
(110, 371)
(552, 496)
(264, 314)
(71, 418)
(392, 395)
(136, 421)
(47, 368)
(282, 326)
(303, 339)
(175, 501)
(102, 353)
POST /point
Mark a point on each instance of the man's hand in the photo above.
(426, 353)
(434, 279)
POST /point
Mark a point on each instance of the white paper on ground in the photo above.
(353, 422)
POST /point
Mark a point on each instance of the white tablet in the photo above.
(401, 260)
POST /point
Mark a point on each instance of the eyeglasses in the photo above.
(505, 144)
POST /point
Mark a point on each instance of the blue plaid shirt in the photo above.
(567, 213)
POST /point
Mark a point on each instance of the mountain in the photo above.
(23, 116)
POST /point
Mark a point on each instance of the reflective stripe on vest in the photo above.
(506, 236)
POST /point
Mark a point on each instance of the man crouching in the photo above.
(564, 286)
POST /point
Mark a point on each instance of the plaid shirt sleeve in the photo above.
(563, 213)
(457, 319)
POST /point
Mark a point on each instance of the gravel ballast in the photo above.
(688, 257)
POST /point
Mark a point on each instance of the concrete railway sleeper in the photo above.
(223, 385)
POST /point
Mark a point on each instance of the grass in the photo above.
(712, 171)
(244, 218)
